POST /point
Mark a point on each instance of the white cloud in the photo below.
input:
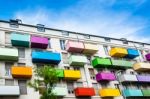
(87, 18)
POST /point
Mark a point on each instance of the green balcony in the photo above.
(60, 73)
(146, 92)
(76, 60)
(101, 62)
(60, 91)
(121, 63)
(8, 54)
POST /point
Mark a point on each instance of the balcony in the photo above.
(141, 66)
(146, 92)
(45, 57)
(72, 74)
(142, 78)
(74, 46)
(147, 56)
(109, 92)
(22, 40)
(21, 72)
(81, 92)
(60, 73)
(39, 42)
(127, 78)
(121, 63)
(105, 76)
(60, 91)
(118, 52)
(90, 48)
(76, 60)
(132, 93)
(8, 54)
(132, 53)
(9, 91)
(101, 62)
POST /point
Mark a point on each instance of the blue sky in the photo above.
(115, 18)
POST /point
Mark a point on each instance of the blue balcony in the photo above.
(45, 57)
(132, 93)
(18, 39)
(132, 53)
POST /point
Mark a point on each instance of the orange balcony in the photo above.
(21, 72)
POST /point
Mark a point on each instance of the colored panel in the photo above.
(21, 72)
(22, 40)
(90, 48)
(9, 91)
(141, 66)
(75, 60)
(132, 53)
(81, 91)
(132, 92)
(127, 78)
(142, 78)
(60, 73)
(8, 54)
(118, 52)
(72, 74)
(103, 76)
(147, 56)
(101, 62)
(46, 57)
(121, 63)
(109, 92)
(74, 46)
(60, 91)
(146, 92)
(39, 42)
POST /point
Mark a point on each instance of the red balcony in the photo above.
(81, 92)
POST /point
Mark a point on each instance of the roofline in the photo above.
(75, 32)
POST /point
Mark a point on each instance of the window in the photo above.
(21, 52)
(132, 72)
(21, 64)
(89, 60)
(40, 27)
(79, 84)
(107, 39)
(7, 38)
(92, 74)
(106, 49)
(142, 53)
(49, 43)
(9, 82)
(103, 85)
(15, 23)
(40, 65)
(8, 68)
(117, 86)
(70, 87)
(22, 86)
(95, 86)
(65, 58)
(124, 41)
(62, 44)
(66, 67)
(76, 68)
(87, 36)
(65, 33)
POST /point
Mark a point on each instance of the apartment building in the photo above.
(89, 66)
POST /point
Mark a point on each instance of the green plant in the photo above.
(45, 79)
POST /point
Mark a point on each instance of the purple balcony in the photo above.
(142, 78)
(39, 42)
(103, 76)
(147, 57)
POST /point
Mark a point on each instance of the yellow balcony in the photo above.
(90, 48)
(109, 92)
(72, 74)
(141, 66)
(21, 72)
(118, 52)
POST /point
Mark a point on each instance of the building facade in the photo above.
(89, 66)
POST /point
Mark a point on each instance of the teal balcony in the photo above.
(132, 93)
(76, 60)
(146, 92)
(121, 63)
(60, 91)
(8, 54)
(18, 39)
